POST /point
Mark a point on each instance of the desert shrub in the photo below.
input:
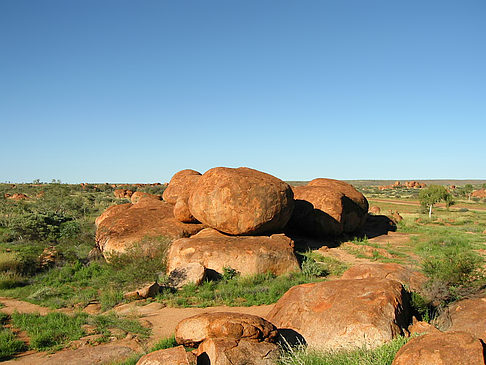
(310, 268)
(229, 273)
(11, 279)
(38, 226)
(453, 275)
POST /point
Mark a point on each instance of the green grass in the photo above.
(52, 331)
(382, 355)
(238, 291)
(77, 283)
(9, 344)
(55, 330)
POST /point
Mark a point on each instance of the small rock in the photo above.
(173, 356)
(192, 273)
(149, 290)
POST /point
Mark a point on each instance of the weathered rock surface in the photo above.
(479, 193)
(375, 210)
(469, 315)
(241, 201)
(421, 327)
(453, 348)
(182, 212)
(220, 351)
(178, 192)
(148, 290)
(344, 188)
(122, 193)
(249, 255)
(136, 196)
(226, 325)
(327, 207)
(318, 212)
(344, 314)
(411, 279)
(192, 273)
(173, 356)
(122, 227)
(180, 185)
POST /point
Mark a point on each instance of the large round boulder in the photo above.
(344, 314)
(327, 207)
(241, 201)
(122, 227)
(178, 192)
(180, 185)
(248, 255)
(452, 348)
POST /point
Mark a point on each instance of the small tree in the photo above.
(468, 189)
(432, 195)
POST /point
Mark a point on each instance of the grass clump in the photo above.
(52, 331)
(9, 344)
(382, 355)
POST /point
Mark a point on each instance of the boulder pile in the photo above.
(245, 213)
(229, 338)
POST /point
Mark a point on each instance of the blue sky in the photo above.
(133, 91)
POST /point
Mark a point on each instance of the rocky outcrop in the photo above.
(122, 193)
(479, 193)
(136, 196)
(173, 356)
(122, 227)
(453, 348)
(229, 338)
(344, 314)
(249, 255)
(178, 192)
(411, 279)
(241, 201)
(327, 207)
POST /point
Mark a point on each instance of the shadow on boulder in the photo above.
(378, 225)
(289, 338)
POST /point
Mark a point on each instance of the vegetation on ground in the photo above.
(55, 330)
(382, 355)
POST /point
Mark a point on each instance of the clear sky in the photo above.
(133, 91)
